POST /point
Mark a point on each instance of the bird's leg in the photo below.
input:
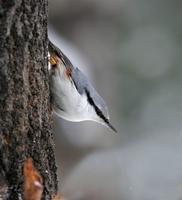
(53, 60)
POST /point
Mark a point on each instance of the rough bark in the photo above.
(25, 114)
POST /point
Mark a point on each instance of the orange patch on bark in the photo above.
(33, 187)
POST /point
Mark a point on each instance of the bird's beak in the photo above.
(108, 125)
(111, 126)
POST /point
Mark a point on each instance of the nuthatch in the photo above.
(73, 96)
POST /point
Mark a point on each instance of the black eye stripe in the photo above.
(97, 110)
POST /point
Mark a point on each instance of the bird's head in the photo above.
(100, 108)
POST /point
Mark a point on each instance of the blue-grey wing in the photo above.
(84, 86)
(80, 80)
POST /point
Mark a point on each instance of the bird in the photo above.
(73, 97)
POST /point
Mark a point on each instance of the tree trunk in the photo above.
(25, 113)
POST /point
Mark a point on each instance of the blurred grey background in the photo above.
(131, 52)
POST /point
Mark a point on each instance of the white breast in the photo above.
(69, 105)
